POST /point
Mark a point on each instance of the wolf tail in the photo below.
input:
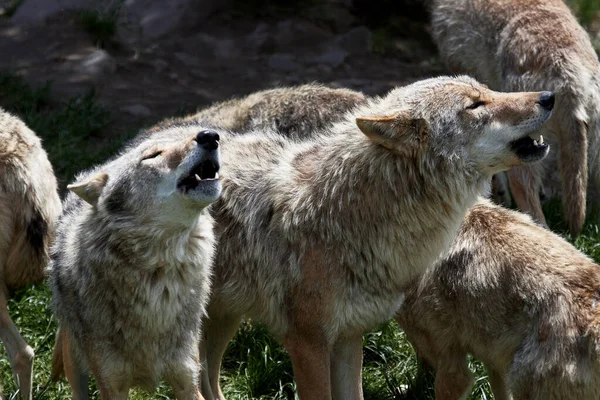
(573, 166)
(58, 363)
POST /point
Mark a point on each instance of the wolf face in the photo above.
(462, 119)
(162, 179)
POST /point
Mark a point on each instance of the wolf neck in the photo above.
(378, 197)
(154, 244)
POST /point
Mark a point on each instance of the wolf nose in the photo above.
(547, 100)
(208, 139)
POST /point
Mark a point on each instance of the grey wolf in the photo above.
(515, 45)
(296, 112)
(29, 210)
(318, 237)
(519, 298)
(131, 267)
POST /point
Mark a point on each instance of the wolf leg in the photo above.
(182, 378)
(217, 332)
(76, 375)
(19, 352)
(525, 184)
(498, 383)
(310, 356)
(346, 364)
(453, 380)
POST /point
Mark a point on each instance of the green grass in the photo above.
(587, 11)
(100, 24)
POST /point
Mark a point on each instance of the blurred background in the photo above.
(86, 75)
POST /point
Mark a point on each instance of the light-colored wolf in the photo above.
(29, 210)
(131, 267)
(524, 45)
(518, 297)
(318, 238)
(296, 112)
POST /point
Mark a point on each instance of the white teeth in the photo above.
(197, 177)
(217, 175)
(541, 139)
(535, 143)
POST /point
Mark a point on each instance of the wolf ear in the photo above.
(91, 189)
(395, 131)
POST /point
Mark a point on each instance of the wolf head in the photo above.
(459, 118)
(161, 179)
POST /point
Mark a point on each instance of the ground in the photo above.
(85, 89)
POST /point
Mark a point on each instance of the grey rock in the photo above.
(283, 62)
(37, 11)
(333, 56)
(203, 45)
(137, 110)
(299, 36)
(96, 64)
(358, 40)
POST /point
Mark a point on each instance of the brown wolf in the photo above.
(519, 298)
(296, 112)
(317, 238)
(29, 209)
(131, 267)
(524, 45)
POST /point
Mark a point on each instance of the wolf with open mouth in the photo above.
(130, 269)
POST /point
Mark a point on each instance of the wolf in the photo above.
(295, 112)
(519, 298)
(318, 237)
(515, 45)
(29, 211)
(131, 266)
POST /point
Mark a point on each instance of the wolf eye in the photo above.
(475, 105)
(154, 154)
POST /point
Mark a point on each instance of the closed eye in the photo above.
(475, 105)
(152, 155)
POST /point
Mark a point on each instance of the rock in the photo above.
(203, 45)
(187, 60)
(137, 110)
(283, 62)
(261, 40)
(292, 35)
(333, 56)
(358, 40)
(37, 11)
(96, 64)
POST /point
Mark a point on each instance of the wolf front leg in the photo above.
(346, 368)
(310, 356)
(19, 352)
(525, 183)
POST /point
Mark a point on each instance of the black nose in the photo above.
(547, 100)
(208, 139)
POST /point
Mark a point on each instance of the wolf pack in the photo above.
(322, 212)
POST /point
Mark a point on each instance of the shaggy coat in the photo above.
(524, 45)
(29, 210)
(131, 268)
(296, 112)
(318, 238)
(519, 298)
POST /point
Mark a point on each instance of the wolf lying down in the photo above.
(515, 295)
(131, 267)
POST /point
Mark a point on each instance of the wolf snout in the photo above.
(208, 139)
(547, 100)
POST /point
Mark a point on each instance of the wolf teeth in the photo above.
(541, 139)
(535, 143)
(217, 175)
(197, 177)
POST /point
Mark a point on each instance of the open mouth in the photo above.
(528, 149)
(204, 172)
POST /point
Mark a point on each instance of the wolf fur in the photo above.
(519, 298)
(516, 45)
(333, 227)
(29, 209)
(131, 268)
(296, 112)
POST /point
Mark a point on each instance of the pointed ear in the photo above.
(91, 189)
(397, 131)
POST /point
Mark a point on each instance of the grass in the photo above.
(587, 11)
(100, 24)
